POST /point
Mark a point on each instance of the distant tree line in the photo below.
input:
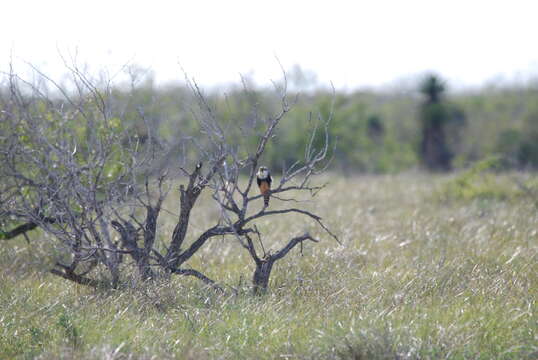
(375, 131)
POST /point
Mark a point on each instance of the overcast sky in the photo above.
(351, 43)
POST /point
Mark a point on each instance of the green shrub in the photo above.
(480, 182)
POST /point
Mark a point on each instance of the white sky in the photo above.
(352, 43)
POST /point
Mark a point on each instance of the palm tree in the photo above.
(434, 115)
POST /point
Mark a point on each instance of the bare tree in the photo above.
(73, 167)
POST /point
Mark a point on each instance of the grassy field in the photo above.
(419, 275)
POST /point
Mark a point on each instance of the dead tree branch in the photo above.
(260, 279)
(95, 164)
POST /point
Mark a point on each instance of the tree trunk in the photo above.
(128, 238)
(261, 276)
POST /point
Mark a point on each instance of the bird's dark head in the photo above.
(263, 172)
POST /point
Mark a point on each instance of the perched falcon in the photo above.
(263, 178)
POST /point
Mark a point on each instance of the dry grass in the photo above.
(416, 277)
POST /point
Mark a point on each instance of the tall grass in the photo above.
(416, 277)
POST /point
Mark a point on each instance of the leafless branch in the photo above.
(198, 275)
(99, 187)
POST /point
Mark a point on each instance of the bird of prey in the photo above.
(263, 177)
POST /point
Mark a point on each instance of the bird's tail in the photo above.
(266, 198)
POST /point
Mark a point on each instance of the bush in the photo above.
(480, 182)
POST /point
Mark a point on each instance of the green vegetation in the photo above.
(413, 278)
(375, 131)
(483, 181)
